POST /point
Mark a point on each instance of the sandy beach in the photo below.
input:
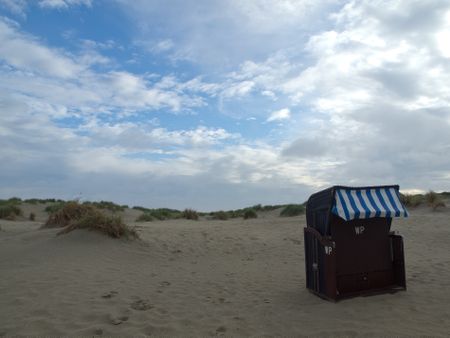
(208, 278)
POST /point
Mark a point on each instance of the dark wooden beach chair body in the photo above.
(346, 258)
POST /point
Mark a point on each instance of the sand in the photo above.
(208, 278)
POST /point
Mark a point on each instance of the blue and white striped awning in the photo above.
(360, 203)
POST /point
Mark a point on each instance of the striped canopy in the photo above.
(361, 203)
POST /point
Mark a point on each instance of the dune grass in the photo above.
(10, 211)
(434, 200)
(32, 201)
(292, 210)
(145, 217)
(73, 215)
(220, 215)
(14, 200)
(54, 207)
(112, 226)
(190, 214)
(160, 214)
(105, 205)
(250, 213)
(10, 201)
(62, 214)
(411, 201)
(259, 207)
(35, 201)
(111, 206)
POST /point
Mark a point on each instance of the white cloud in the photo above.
(136, 137)
(60, 78)
(375, 93)
(238, 89)
(369, 88)
(63, 4)
(15, 6)
(443, 36)
(221, 34)
(141, 155)
(279, 115)
(25, 52)
(264, 16)
(20, 7)
(163, 46)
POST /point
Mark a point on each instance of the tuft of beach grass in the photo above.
(74, 215)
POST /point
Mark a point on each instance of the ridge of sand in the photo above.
(208, 278)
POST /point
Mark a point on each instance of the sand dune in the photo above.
(208, 278)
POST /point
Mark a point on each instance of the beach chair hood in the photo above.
(367, 202)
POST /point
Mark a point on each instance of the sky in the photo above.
(212, 104)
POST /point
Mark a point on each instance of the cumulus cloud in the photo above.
(280, 115)
(20, 7)
(25, 52)
(375, 93)
(308, 147)
(63, 4)
(68, 80)
(238, 89)
(162, 46)
(15, 6)
(222, 34)
(143, 159)
(366, 95)
(140, 137)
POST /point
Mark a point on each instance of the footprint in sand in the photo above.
(98, 332)
(141, 305)
(221, 329)
(118, 320)
(109, 294)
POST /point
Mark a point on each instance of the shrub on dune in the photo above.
(145, 217)
(109, 225)
(160, 214)
(10, 211)
(434, 200)
(190, 214)
(54, 207)
(220, 215)
(63, 214)
(411, 200)
(431, 197)
(234, 214)
(250, 213)
(257, 207)
(438, 204)
(51, 200)
(15, 200)
(111, 206)
(32, 201)
(292, 210)
(74, 215)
